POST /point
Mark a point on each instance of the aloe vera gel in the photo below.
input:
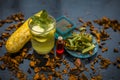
(42, 28)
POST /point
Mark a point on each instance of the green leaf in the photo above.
(43, 20)
(44, 15)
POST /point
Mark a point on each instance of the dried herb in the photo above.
(104, 35)
(104, 49)
(18, 17)
(83, 77)
(32, 64)
(118, 66)
(1, 43)
(105, 63)
(97, 35)
(118, 59)
(65, 71)
(37, 69)
(97, 77)
(77, 63)
(73, 77)
(50, 77)
(81, 20)
(2, 66)
(107, 23)
(115, 50)
(36, 76)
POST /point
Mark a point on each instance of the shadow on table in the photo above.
(42, 58)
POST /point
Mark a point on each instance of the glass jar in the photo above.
(43, 38)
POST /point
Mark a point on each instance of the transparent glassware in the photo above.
(43, 39)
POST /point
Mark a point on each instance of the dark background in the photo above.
(86, 9)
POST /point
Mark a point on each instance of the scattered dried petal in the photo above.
(42, 77)
(36, 76)
(105, 63)
(99, 56)
(77, 62)
(83, 77)
(50, 77)
(1, 43)
(118, 59)
(115, 50)
(32, 64)
(37, 69)
(5, 35)
(46, 56)
(104, 35)
(118, 66)
(20, 75)
(65, 71)
(104, 49)
(73, 77)
(81, 20)
(98, 77)
(2, 66)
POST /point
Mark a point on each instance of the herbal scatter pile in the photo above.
(15, 21)
(48, 71)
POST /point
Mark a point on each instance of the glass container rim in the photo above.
(54, 22)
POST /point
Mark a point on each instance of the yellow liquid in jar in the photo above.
(43, 43)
